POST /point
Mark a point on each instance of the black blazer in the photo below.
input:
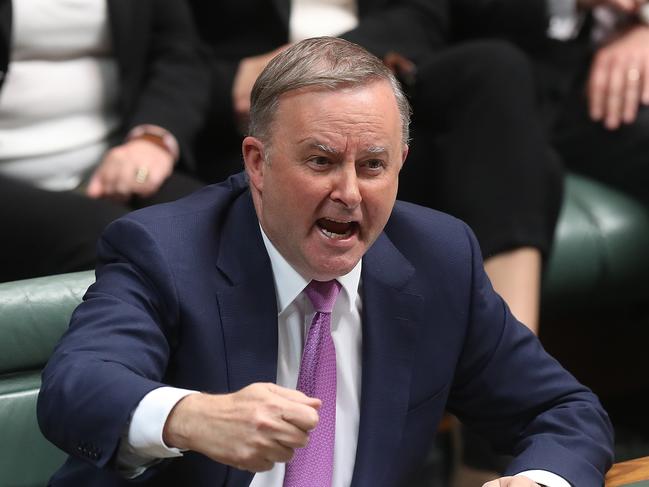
(163, 79)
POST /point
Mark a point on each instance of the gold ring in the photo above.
(633, 74)
(141, 174)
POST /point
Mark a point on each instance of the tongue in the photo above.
(334, 227)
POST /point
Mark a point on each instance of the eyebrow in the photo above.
(325, 148)
(373, 149)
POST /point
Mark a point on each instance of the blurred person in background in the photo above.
(591, 61)
(99, 102)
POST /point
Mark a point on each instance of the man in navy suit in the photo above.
(180, 366)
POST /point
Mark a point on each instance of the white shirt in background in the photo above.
(58, 101)
(314, 18)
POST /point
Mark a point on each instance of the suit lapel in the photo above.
(247, 306)
(391, 313)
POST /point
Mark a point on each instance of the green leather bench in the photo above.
(33, 315)
(601, 253)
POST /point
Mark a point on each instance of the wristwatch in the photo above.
(158, 136)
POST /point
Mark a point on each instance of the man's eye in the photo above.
(374, 164)
(319, 161)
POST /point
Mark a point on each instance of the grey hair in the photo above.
(326, 63)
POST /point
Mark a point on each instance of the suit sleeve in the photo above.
(175, 88)
(510, 390)
(116, 348)
(410, 27)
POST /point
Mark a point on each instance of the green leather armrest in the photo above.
(33, 315)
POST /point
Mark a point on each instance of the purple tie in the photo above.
(313, 465)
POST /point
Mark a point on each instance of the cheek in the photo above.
(379, 203)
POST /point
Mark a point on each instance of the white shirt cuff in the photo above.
(142, 444)
(148, 420)
(545, 478)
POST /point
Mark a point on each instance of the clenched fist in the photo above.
(251, 429)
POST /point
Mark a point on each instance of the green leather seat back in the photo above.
(33, 315)
(601, 248)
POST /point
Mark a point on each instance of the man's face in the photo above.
(330, 183)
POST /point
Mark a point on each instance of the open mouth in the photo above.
(337, 229)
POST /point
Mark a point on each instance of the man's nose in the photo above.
(346, 189)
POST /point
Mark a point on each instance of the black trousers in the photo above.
(477, 152)
(51, 232)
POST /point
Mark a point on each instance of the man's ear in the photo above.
(404, 154)
(253, 158)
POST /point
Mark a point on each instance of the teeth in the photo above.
(336, 228)
(337, 236)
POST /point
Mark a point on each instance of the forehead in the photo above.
(367, 113)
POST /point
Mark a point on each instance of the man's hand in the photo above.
(619, 78)
(250, 429)
(249, 70)
(135, 168)
(516, 481)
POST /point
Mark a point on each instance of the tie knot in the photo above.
(323, 294)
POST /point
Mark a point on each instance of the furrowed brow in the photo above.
(325, 148)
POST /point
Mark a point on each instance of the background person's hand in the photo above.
(619, 78)
(247, 73)
(516, 481)
(136, 168)
(627, 6)
(251, 429)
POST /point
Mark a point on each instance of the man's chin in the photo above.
(331, 270)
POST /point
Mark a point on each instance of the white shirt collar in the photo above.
(289, 283)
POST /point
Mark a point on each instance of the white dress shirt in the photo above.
(144, 445)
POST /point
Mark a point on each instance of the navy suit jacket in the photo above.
(185, 296)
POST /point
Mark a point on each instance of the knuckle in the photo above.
(248, 457)
(263, 423)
